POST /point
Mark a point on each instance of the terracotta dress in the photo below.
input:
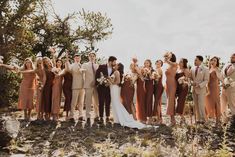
(67, 90)
(47, 92)
(127, 95)
(26, 92)
(149, 87)
(56, 94)
(140, 102)
(158, 90)
(213, 107)
(170, 90)
(41, 75)
(181, 94)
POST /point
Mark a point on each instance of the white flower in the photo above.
(1, 59)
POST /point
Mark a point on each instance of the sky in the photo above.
(148, 28)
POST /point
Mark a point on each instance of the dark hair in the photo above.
(200, 58)
(159, 61)
(62, 65)
(112, 58)
(92, 53)
(148, 60)
(217, 58)
(185, 63)
(121, 71)
(173, 57)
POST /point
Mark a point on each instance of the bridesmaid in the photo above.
(47, 90)
(158, 90)
(41, 79)
(57, 89)
(140, 95)
(213, 108)
(149, 87)
(27, 87)
(170, 73)
(67, 90)
(182, 78)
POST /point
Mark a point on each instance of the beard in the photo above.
(232, 61)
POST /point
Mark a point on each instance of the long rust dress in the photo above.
(67, 90)
(213, 107)
(158, 90)
(56, 94)
(149, 87)
(26, 92)
(127, 95)
(140, 102)
(181, 94)
(47, 92)
(40, 73)
(170, 90)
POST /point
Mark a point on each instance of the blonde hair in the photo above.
(27, 60)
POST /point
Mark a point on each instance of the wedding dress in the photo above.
(120, 114)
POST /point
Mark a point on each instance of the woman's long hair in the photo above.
(121, 71)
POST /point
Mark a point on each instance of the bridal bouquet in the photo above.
(129, 77)
(167, 55)
(103, 80)
(1, 59)
(228, 82)
(156, 76)
(183, 81)
(147, 73)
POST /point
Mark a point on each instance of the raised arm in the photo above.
(9, 67)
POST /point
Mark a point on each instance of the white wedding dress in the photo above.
(120, 114)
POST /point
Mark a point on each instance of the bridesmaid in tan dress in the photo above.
(182, 78)
(27, 87)
(170, 59)
(41, 79)
(158, 90)
(57, 89)
(213, 108)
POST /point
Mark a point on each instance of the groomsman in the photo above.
(77, 85)
(200, 78)
(103, 90)
(230, 91)
(90, 87)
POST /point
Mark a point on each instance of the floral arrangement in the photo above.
(228, 82)
(156, 76)
(129, 77)
(183, 81)
(1, 59)
(103, 80)
(167, 55)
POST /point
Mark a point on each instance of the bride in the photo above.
(120, 114)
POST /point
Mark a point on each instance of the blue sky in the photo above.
(147, 29)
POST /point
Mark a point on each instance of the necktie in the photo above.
(196, 71)
(93, 68)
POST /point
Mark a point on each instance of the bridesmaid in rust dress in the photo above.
(41, 79)
(67, 90)
(127, 93)
(27, 88)
(182, 78)
(57, 89)
(149, 87)
(47, 90)
(158, 90)
(213, 108)
(170, 59)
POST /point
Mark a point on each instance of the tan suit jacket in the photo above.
(89, 74)
(201, 79)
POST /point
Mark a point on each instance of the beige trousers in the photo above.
(199, 105)
(77, 99)
(91, 97)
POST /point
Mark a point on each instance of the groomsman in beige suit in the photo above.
(200, 78)
(77, 85)
(228, 97)
(90, 87)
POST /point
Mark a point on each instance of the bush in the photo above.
(9, 87)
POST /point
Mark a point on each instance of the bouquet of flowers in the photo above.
(129, 77)
(228, 82)
(156, 76)
(183, 80)
(1, 59)
(40, 86)
(146, 74)
(167, 55)
(103, 80)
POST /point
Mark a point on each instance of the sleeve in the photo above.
(97, 75)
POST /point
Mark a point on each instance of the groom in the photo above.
(103, 90)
